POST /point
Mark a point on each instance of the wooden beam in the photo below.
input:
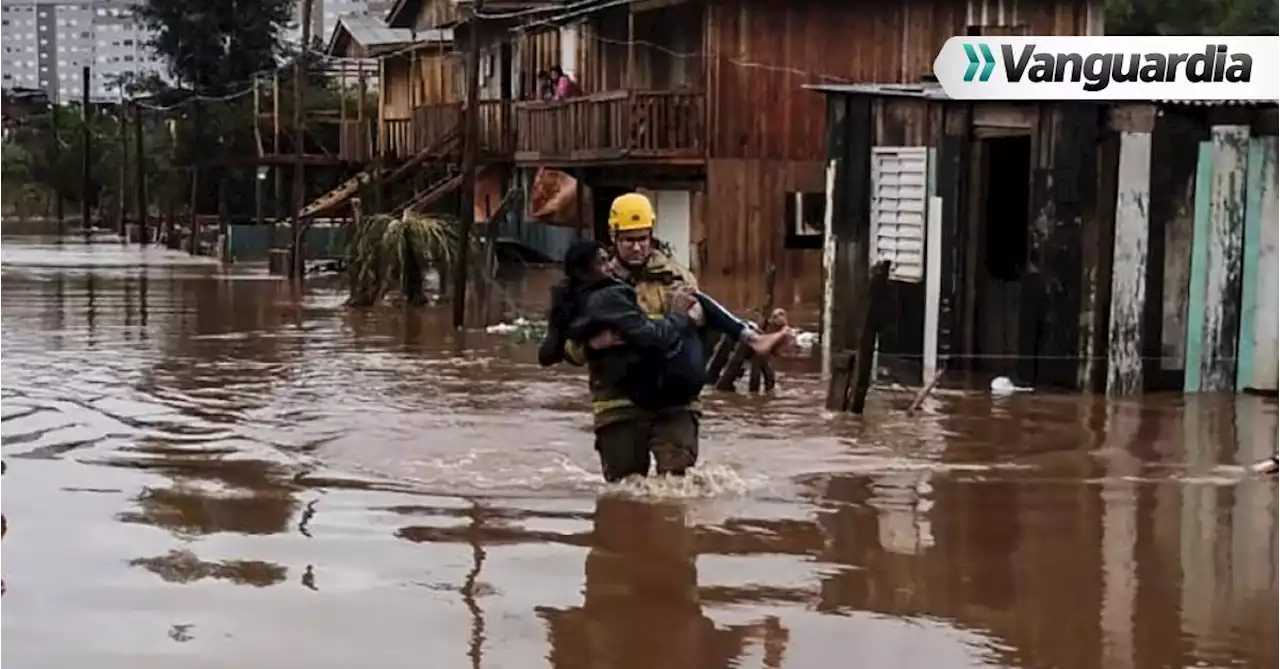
(877, 292)
(296, 264)
(140, 178)
(470, 149)
(1215, 261)
(1129, 270)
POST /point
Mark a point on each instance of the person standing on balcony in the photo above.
(566, 87)
(546, 86)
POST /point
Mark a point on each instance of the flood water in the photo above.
(207, 469)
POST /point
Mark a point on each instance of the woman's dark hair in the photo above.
(579, 258)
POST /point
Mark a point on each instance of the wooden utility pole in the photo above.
(140, 178)
(470, 137)
(122, 194)
(299, 135)
(277, 183)
(197, 131)
(86, 151)
(58, 202)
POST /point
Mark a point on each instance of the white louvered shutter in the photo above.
(899, 176)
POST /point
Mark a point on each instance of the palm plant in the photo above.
(386, 254)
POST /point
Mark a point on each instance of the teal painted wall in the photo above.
(250, 243)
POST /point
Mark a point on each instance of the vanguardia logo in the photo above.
(987, 63)
(1097, 71)
(1111, 68)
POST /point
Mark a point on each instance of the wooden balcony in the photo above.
(427, 123)
(327, 140)
(614, 126)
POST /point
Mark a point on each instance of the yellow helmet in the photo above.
(632, 211)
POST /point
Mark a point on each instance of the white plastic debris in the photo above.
(1002, 386)
(508, 328)
(805, 340)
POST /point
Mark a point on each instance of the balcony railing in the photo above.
(346, 140)
(427, 123)
(397, 140)
(612, 125)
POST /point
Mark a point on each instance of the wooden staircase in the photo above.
(349, 188)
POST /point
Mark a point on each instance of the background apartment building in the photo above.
(47, 42)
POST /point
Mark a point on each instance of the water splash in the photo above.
(707, 480)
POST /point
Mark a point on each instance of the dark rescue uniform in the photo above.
(659, 366)
(626, 434)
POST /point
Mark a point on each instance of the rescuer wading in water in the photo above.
(627, 433)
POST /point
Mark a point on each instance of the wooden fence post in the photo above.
(851, 371)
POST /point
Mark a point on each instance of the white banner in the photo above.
(1110, 68)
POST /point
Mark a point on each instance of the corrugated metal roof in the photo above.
(923, 91)
(369, 31)
(373, 34)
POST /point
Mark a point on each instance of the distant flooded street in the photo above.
(206, 468)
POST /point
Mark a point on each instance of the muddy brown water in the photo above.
(207, 469)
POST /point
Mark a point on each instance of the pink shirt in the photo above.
(566, 88)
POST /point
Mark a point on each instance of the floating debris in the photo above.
(806, 340)
(521, 329)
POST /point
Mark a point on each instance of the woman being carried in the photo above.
(661, 362)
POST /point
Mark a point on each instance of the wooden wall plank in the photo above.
(952, 176)
(1226, 237)
(1214, 310)
(1257, 369)
(1175, 146)
(932, 284)
(1053, 293)
(1095, 270)
(850, 141)
(828, 270)
(1199, 266)
(1129, 274)
(1249, 265)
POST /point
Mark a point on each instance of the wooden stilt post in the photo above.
(469, 151)
(140, 178)
(122, 196)
(863, 371)
(299, 137)
(851, 370)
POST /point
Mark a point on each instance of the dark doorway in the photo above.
(1001, 220)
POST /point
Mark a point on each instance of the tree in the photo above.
(216, 46)
(1191, 17)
